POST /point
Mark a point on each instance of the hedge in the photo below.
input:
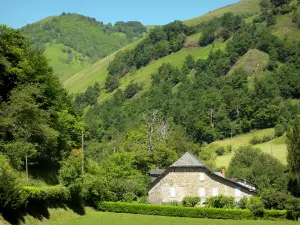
(179, 211)
(47, 194)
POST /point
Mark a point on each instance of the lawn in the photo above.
(105, 218)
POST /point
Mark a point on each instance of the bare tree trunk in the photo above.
(151, 121)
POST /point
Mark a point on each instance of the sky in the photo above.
(17, 13)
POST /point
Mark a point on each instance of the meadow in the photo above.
(276, 147)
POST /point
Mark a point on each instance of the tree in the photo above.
(112, 83)
(293, 156)
(262, 169)
(278, 3)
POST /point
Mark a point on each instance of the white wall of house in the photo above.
(193, 182)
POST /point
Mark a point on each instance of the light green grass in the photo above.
(276, 147)
(95, 73)
(285, 28)
(54, 54)
(106, 218)
(242, 7)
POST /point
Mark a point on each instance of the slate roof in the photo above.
(188, 160)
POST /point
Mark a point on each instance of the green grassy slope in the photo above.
(98, 72)
(67, 217)
(82, 40)
(276, 147)
(95, 73)
(242, 7)
(58, 59)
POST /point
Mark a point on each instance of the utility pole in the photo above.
(26, 164)
(271, 138)
(231, 138)
(82, 152)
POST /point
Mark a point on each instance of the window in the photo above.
(202, 192)
(238, 192)
(172, 192)
(215, 192)
(202, 176)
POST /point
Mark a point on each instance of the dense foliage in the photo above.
(37, 119)
(84, 34)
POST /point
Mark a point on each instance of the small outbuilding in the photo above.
(189, 176)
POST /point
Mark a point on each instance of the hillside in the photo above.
(276, 147)
(240, 8)
(99, 71)
(72, 42)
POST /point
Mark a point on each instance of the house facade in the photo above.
(189, 176)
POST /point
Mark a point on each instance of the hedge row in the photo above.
(179, 211)
(47, 194)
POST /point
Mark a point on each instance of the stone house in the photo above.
(189, 176)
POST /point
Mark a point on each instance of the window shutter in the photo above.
(202, 192)
(215, 192)
(172, 192)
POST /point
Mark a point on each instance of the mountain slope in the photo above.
(72, 41)
(98, 72)
(242, 7)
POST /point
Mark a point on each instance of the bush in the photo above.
(256, 206)
(293, 208)
(176, 211)
(190, 201)
(221, 201)
(279, 130)
(273, 199)
(48, 194)
(220, 151)
(12, 196)
(256, 140)
(242, 204)
(179, 211)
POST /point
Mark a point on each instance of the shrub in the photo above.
(143, 200)
(172, 203)
(47, 194)
(12, 196)
(176, 211)
(256, 140)
(220, 151)
(179, 211)
(242, 204)
(279, 130)
(293, 208)
(273, 199)
(256, 206)
(221, 201)
(190, 201)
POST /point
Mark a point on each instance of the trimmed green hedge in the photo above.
(47, 194)
(179, 211)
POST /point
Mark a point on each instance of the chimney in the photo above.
(223, 172)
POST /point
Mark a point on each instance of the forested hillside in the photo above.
(73, 42)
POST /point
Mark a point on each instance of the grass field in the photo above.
(276, 147)
(67, 217)
(242, 7)
(97, 72)
(54, 54)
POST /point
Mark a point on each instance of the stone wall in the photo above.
(187, 182)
